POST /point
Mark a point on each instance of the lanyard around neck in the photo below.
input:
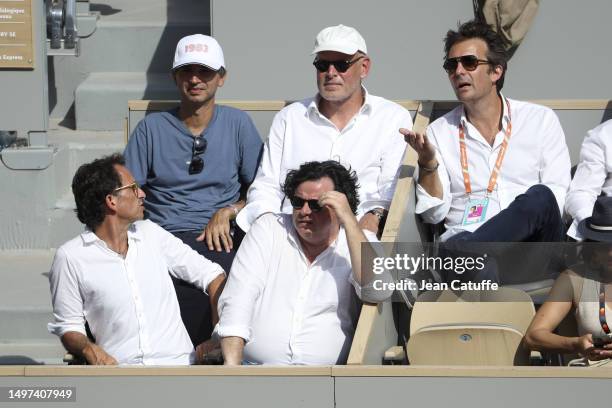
(498, 162)
(602, 309)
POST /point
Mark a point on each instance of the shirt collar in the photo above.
(505, 116)
(294, 239)
(89, 237)
(366, 108)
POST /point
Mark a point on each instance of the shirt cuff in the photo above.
(59, 329)
(573, 231)
(425, 201)
(222, 331)
(251, 212)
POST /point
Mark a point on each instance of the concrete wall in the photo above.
(267, 45)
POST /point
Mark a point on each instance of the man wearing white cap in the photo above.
(195, 163)
(342, 122)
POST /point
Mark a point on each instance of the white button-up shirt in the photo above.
(287, 310)
(593, 175)
(370, 144)
(130, 304)
(537, 154)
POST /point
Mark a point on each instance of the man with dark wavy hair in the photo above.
(494, 169)
(115, 275)
(292, 296)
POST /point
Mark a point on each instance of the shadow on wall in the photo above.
(104, 9)
(184, 17)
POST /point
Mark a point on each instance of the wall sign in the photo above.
(16, 47)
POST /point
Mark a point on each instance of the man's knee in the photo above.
(541, 195)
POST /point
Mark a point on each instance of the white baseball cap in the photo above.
(199, 49)
(340, 38)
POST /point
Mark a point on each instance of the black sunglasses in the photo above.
(469, 62)
(341, 66)
(197, 163)
(297, 203)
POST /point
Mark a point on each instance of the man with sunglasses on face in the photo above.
(506, 158)
(343, 122)
(115, 276)
(292, 294)
(195, 163)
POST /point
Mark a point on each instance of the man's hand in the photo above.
(95, 355)
(217, 232)
(208, 348)
(424, 149)
(369, 222)
(338, 203)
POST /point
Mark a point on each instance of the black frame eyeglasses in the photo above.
(297, 203)
(199, 147)
(341, 66)
(469, 62)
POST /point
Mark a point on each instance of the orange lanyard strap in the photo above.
(498, 162)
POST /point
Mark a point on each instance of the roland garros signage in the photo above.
(16, 48)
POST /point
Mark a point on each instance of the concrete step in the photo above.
(101, 100)
(26, 324)
(48, 353)
(131, 36)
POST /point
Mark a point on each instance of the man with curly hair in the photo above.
(293, 293)
(115, 276)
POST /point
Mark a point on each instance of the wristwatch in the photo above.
(378, 212)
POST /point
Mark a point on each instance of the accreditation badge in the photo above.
(475, 211)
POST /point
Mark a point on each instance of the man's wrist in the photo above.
(429, 166)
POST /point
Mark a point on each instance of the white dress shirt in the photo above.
(593, 175)
(130, 304)
(370, 144)
(536, 154)
(287, 310)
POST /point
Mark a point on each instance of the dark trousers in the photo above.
(532, 217)
(195, 304)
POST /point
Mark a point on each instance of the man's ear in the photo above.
(366, 64)
(111, 203)
(222, 79)
(496, 73)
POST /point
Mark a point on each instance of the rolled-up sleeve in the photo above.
(589, 178)
(185, 263)
(66, 297)
(245, 282)
(391, 161)
(265, 193)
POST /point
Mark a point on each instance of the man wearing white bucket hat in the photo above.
(343, 122)
(195, 163)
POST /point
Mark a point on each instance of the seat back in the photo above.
(475, 345)
(470, 327)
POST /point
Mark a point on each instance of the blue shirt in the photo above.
(158, 154)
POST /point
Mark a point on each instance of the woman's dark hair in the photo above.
(91, 184)
(497, 53)
(345, 181)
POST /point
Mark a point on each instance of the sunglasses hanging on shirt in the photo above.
(199, 147)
